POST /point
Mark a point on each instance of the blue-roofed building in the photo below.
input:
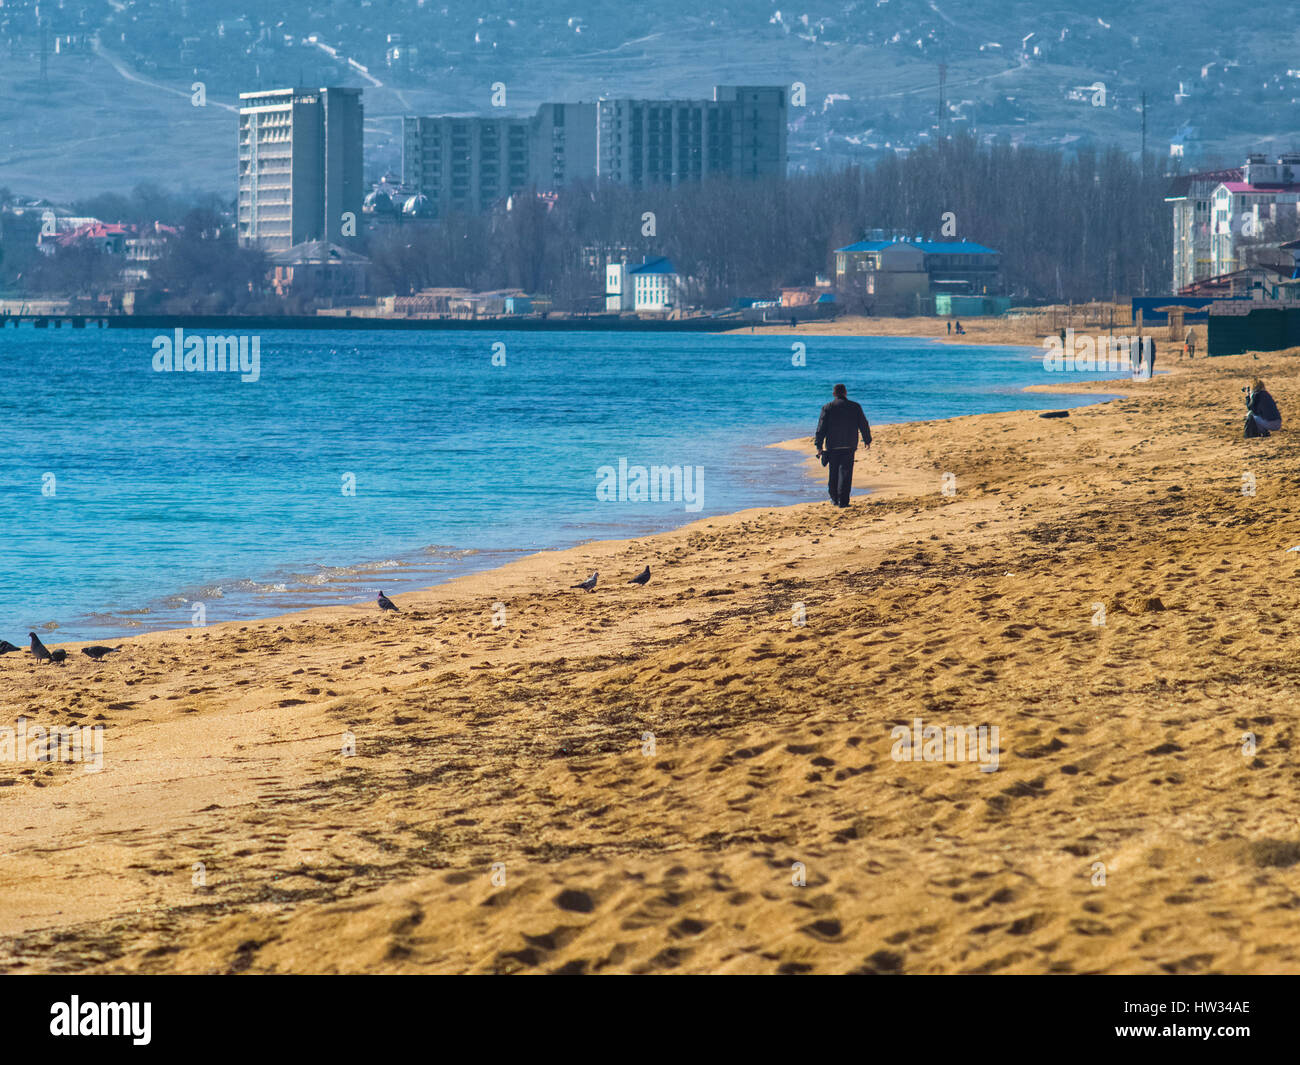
(651, 285)
(895, 275)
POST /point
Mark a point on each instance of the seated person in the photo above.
(1263, 411)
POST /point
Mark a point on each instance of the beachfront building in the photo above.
(107, 237)
(886, 276)
(1190, 196)
(320, 270)
(1243, 214)
(652, 285)
(138, 246)
(144, 247)
(895, 275)
(300, 159)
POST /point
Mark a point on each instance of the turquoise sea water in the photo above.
(128, 495)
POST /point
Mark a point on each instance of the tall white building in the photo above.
(300, 166)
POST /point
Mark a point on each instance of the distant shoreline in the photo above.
(978, 332)
(595, 323)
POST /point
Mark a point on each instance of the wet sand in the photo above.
(681, 778)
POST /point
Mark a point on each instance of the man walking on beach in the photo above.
(837, 439)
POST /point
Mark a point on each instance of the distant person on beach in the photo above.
(1191, 344)
(1149, 344)
(838, 429)
(960, 330)
(1264, 417)
(950, 328)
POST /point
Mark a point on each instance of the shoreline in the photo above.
(412, 558)
(524, 745)
(997, 330)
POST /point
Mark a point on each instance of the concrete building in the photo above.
(1246, 213)
(897, 276)
(740, 133)
(887, 275)
(1190, 197)
(562, 145)
(300, 166)
(467, 163)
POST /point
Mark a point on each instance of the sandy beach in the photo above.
(1024, 327)
(685, 778)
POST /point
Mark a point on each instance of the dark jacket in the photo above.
(1262, 403)
(839, 425)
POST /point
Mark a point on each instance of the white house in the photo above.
(652, 285)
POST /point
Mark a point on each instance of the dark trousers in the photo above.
(840, 481)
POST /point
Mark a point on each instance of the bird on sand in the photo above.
(590, 582)
(59, 656)
(39, 651)
(6, 647)
(641, 578)
(385, 603)
(98, 651)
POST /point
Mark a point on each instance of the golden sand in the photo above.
(1027, 327)
(1124, 830)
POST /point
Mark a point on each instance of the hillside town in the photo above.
(305, 234)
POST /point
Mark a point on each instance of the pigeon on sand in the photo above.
(641, 578)
(590, 583)
(39, 651)
(98, 651)
(385, 603)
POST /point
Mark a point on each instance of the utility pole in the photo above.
(45, 50)
(1144, 132)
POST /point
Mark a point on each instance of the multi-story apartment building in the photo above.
(1220, 214)
(741, 132)
(1253, 210)
(1190, 196)
(466, 163)
(300, 165)
(563, 145)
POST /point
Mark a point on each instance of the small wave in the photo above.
(442, 551)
